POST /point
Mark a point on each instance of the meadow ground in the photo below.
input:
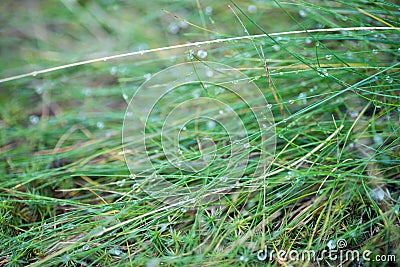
(329, 131)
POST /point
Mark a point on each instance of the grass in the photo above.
(68, 198)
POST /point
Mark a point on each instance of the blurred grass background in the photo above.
(66, 196)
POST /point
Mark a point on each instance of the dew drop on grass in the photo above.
(378, 139)
(389, 79)
(269, 106)
(328, 56)
(202, 54)
(147, 76)
(132, 176)
(303, 97)
(113, 70)
(252, 9)
(86, 92)
(211, 124)
(308, 40)
(322, 72)
(208, 10)
(34, 119)
(183, 210)
(377, 194)
(223, 178)
(221, 111)
(374, 51)
(86, 247)
(353, 114)
(331, 244)
(209, 73)
(100, 125)
(115, 252)
(302, 13)
(243, 258)
(190, 56)
(291, 101)
(125, 96)
(183, 25)
(39, 90)
(121, 182)
(276, 47)
(247, 145)
(173, 28)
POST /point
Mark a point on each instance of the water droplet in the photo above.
(86, 247)
(308, 40)
(209, 73)
(276, 47)
(269, 106)
(113, 70)
(378, 139)
(34, 119)
(100, 125)
(322, 72)
(183, 210)
(353, 114)
(389, 79)
(190, 56)
(125, 96)
(147, 76)
(104, 59)
(34, 74)
(129, 114)
(211, 124)
(39, 90)
(291, 101)
(252, 9)
(121, 182)
(86, 92)
(208, 10)
(243, 258)
(184, 128)
(223, 178)
(247, 145)
(328, 56)
(303, 96)
(264, 126)
(221, 111)
(173, 28)
(202, 54)
(317, 43)
(331, 244)
(375, 51)
(377, 194)
(183, 25)
(132, 176)
(115, 252)
(302, 13)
